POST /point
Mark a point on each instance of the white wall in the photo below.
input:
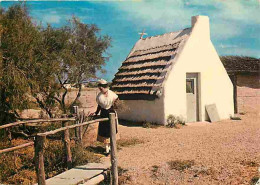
(199, 56)
(143, 110)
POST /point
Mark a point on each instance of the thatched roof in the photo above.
(240, 64)
(142, 74)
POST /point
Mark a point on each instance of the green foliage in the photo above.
(37, 62)
(18, 40)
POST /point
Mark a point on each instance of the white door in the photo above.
(192, 97)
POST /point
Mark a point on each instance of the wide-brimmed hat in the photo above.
(102, 82)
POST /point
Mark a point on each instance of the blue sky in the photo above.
(235, 24)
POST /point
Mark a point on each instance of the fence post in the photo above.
(39, 159)
(66, 142)
(114, 169)
(76, 111)
(81, 120)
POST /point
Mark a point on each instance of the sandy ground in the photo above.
(226, 152)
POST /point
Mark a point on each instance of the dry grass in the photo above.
(254, 180)
(180, 165)
(250, 163)
(123, 177)
(128, 142)
(19, 168)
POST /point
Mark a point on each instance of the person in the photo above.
(105, 100)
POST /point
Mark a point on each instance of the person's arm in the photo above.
(98, 109)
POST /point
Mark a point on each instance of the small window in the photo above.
(190, 86)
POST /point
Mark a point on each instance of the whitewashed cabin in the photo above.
(176, 73)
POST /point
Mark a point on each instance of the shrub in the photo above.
(150, 125)
(172, 121)
(254, 180)
(180, 165)
(123, 177)
(54, 156)
(14, 167)
(82, 156)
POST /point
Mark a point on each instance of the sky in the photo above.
(234, 24)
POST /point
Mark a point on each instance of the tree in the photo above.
(37, 62)
(18, 40)
(75, 54)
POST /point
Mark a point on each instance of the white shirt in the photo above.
(106, 102)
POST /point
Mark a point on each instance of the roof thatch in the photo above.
(142, 74)
(240, 64)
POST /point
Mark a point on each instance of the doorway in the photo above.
(192, 97)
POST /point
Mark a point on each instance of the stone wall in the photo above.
(248, 93)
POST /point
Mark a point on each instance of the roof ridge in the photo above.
(159, 46)
(164, 34)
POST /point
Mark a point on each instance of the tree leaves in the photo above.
(36, 62)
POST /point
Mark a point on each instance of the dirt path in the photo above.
(227, 152)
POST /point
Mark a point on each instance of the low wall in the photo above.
(248, 93)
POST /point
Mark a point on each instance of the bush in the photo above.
(172, 121)
(15, 167)
(54, 156)
(82, 156)
(150, 125)
(180, 165)
(19, 169)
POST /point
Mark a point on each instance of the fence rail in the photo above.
(16, 147)
(36, 121)
(71, 126)
(41, 138)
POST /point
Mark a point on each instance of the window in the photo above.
(189, 86)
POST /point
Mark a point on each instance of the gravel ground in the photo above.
(226, 152)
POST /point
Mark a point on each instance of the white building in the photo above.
(176, 73)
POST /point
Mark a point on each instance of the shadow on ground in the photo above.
(96, 149)
(128, 123)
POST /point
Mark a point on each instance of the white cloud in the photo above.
(228, 18)
(227, 46)
(239, 51)
(52, 18)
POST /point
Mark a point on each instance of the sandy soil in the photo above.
(226, 152)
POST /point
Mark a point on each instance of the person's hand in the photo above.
(92, 114)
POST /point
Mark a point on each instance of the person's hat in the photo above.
(102, 82)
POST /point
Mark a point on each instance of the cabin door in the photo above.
(192, 97)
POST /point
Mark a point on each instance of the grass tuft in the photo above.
(249, 163)
(123, 177)
(128, 142)
(180, 165)
(254, 180)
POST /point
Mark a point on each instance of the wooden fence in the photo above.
(40, 138)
